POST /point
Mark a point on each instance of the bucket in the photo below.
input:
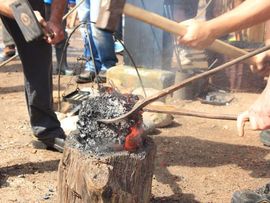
(193, 89)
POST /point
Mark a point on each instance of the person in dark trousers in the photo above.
(59, 47)
(36, 57)
(201, 34)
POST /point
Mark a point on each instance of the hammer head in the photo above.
(26, 20)
(110, 14)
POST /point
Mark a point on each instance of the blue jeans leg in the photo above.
(84, 16)
(105, 47)
(103, 40)
(90, 65)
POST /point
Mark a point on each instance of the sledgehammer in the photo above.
(112, 10)
(27, 21)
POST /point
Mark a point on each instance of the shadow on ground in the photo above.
(193, 152)
(27, 168)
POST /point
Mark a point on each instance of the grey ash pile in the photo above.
(97, 137)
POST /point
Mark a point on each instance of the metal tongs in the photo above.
(142, 103)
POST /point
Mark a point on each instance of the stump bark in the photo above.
(119, 177)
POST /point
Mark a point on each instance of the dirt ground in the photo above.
(198, 160)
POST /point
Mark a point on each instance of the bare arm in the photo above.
(248, 13)
(202, 34)
(262, 60)
(267, 32)
(5, 9)
(55, 23)
(57, 11)
(258, 114)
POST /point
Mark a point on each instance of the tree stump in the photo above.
(119, 177)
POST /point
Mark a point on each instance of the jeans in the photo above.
(36, 58)
(101, 41)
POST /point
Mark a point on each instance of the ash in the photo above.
(97, 137)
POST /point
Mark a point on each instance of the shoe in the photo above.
(265, 137)
(261, 195)
(69, 72)
(101, 77)
(7, 53)
(86, 76)
(50, 144)
(64, 72)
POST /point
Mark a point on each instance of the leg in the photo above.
(38, 80)
(103, 40)
(90, 70)
(61, 54)
(118, 36)
(105, 47)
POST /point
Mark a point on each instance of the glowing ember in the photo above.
(133, 140)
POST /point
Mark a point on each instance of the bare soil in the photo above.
(198, 160)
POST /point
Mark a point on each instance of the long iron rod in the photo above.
(139, 105)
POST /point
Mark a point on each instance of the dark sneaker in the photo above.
(265, 137)
(261, 195)
(50, 144)
(86, 76)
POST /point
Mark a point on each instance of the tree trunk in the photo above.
(119, 177)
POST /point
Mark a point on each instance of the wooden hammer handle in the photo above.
(175, 28)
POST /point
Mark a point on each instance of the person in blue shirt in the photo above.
(59, 47)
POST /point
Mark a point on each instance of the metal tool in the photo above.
(141, 104)
(169, 109)
(112, 10)
(64, 17)
(26, 20)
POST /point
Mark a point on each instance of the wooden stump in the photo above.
(120, 177)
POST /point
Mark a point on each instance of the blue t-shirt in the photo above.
(69, 1)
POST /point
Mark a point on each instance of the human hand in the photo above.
(198, 34)
(53, 32)
(258, 114)
(262, 64)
